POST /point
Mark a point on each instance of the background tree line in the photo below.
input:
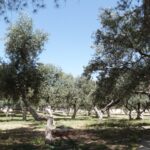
(121, 59)
(32, 84)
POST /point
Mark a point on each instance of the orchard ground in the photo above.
(84, 133)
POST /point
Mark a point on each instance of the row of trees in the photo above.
(63, 91)
(122, 61)
(32, 84)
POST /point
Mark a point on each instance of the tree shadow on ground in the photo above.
(73, 139)
(120, 123)
(19, 139)
(9, 119)
(69, 118)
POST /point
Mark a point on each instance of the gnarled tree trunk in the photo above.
(98, 113)
(35, 115)
(109, 105)
(48, 131)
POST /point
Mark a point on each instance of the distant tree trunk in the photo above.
(48, 131)
(35, 115)
(130, 114)
(68, 111)
(138, 115)
(74, 111)
(89, 112)
(68, 105)
(138, 112)
(108, 113)
(98, 113)
(48, 110)
(24, 113)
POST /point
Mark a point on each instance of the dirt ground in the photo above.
(82, 134)
(105, 139)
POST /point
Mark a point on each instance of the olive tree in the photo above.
(122, 55)
(23, 47)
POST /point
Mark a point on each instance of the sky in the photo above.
(70, 28)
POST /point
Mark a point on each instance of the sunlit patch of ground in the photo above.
(13, 125)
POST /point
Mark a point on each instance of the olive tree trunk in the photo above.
(98, 113)
(138, 111)
(48, 131)
(108, 113)
(130, 114)
(24, 113)
(89, 112)
(68, 111)
(74, 111)
(33, 112)
(138, 116)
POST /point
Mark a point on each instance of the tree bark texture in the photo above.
(33, 112)
(48, 131)
(74, 111)
(98, 113)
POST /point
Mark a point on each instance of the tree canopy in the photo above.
(7, 6)
(122, 56)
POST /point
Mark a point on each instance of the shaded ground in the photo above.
(110, 134)
(145, 145)
(104, 139)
